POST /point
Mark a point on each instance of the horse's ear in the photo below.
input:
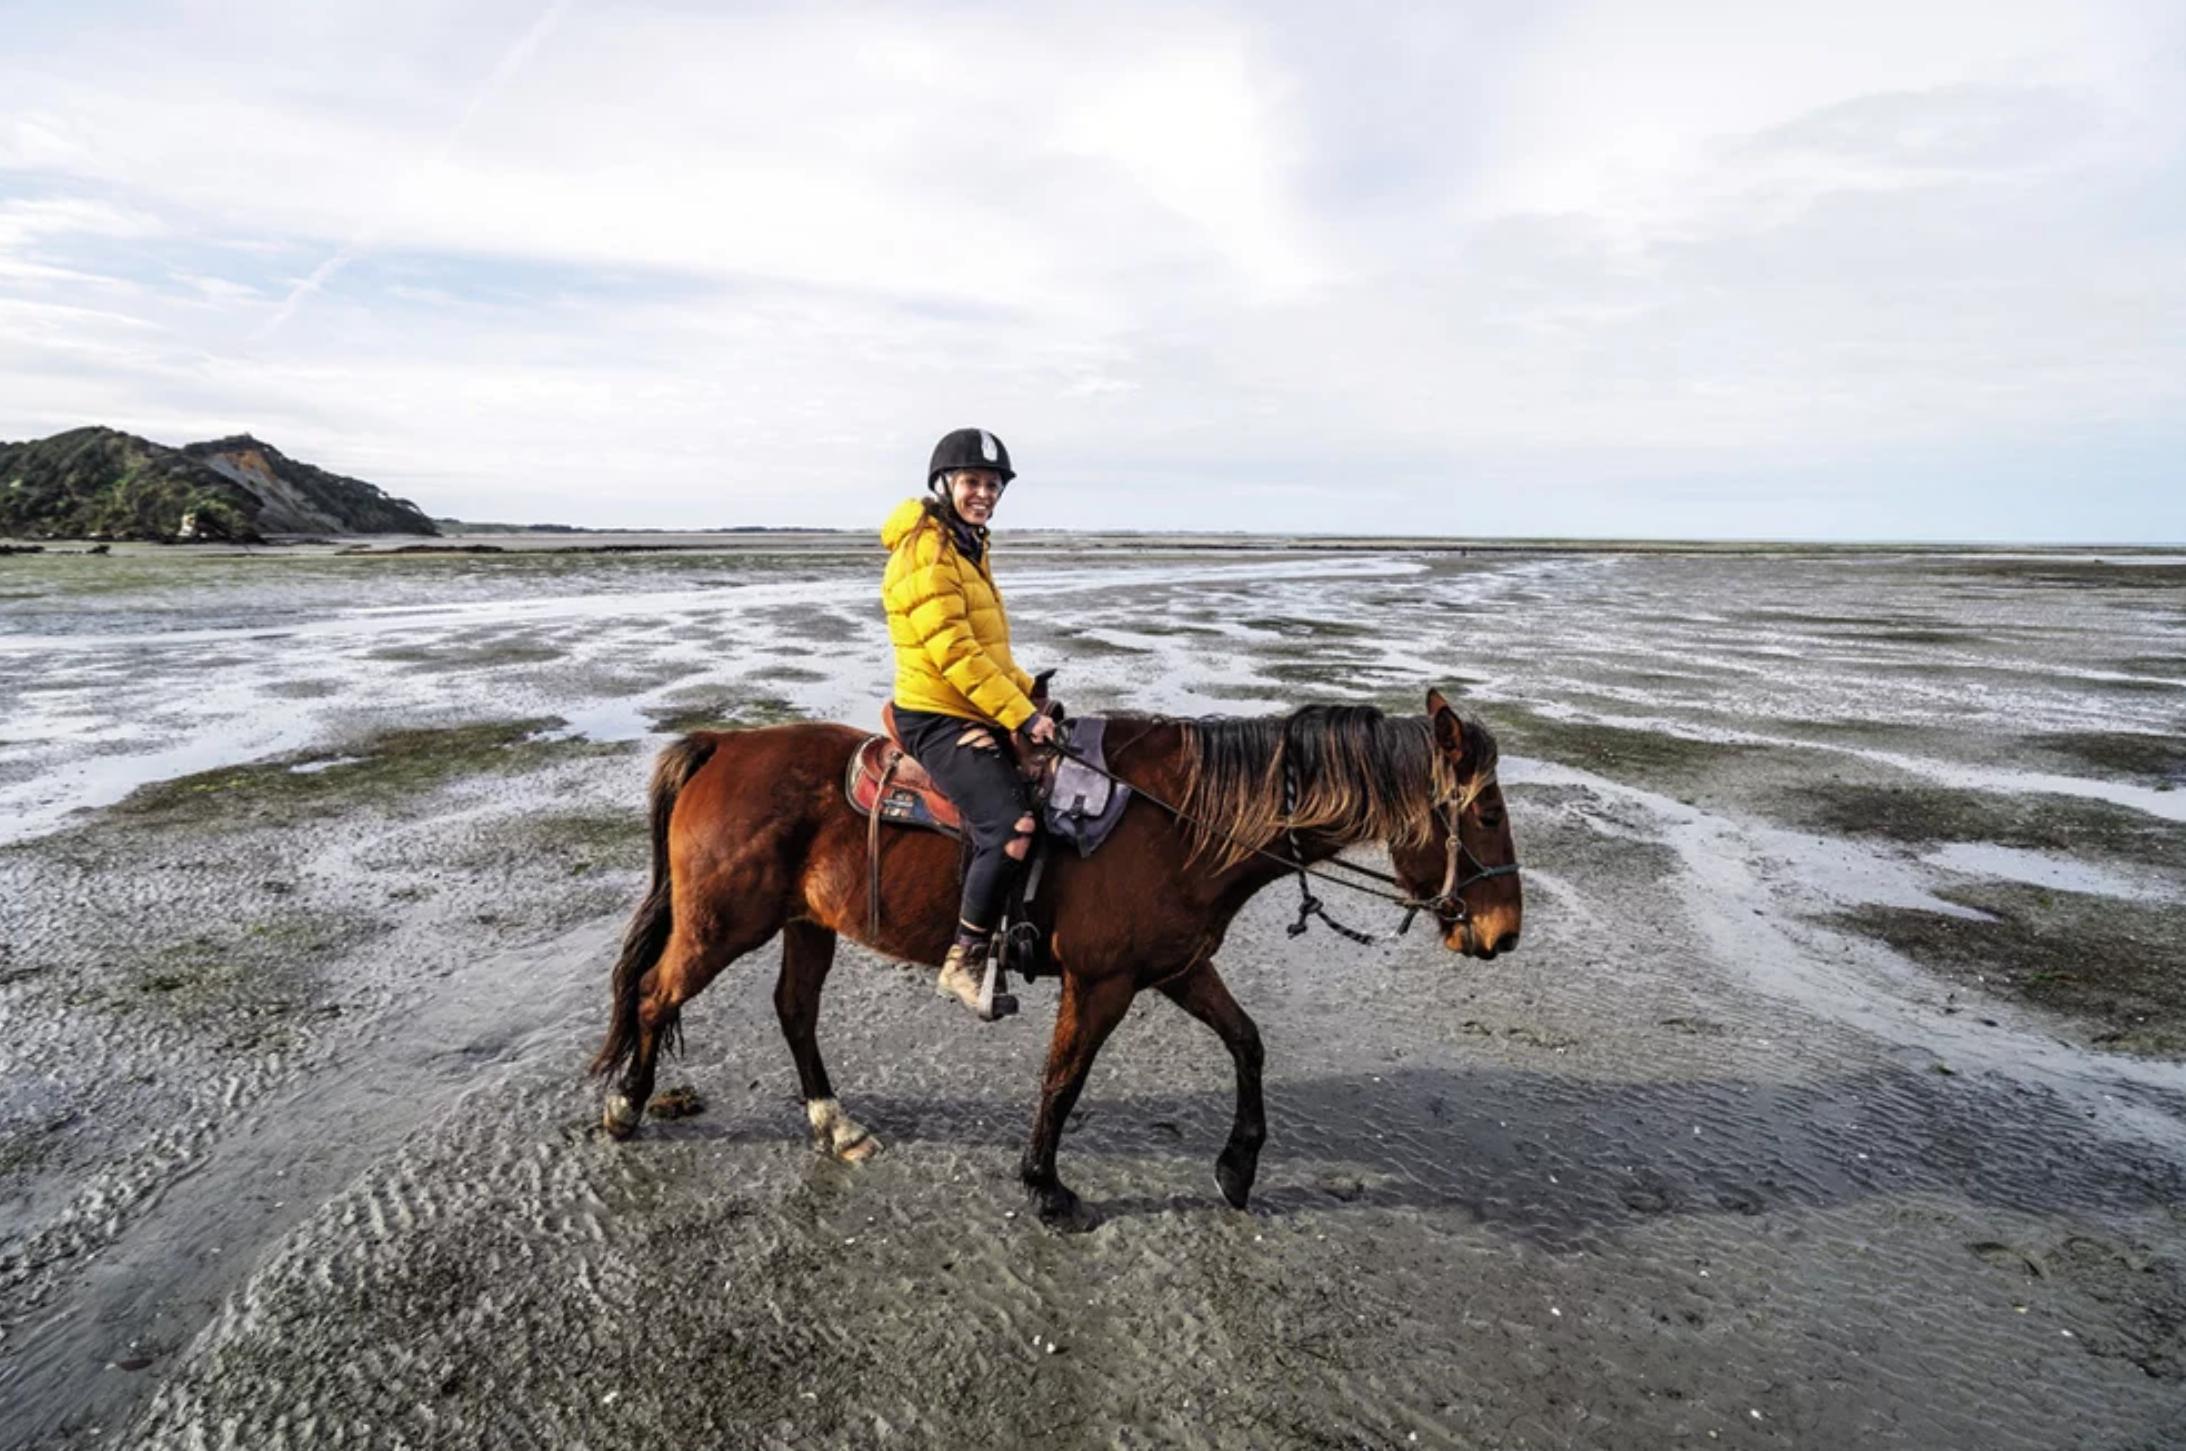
(1449, 726)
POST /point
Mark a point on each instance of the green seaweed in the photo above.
(2120, 964)
(1081, 642)
(2151, 759)
(1299, 627)
(735, 711)
(479, 655)
(1925, 814)
(1623, 753)
(389, 769)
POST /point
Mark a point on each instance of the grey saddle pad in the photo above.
(1083, 806)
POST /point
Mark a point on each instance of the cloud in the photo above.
(661, 264)
(511, 62)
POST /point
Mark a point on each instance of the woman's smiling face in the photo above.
(973, 493)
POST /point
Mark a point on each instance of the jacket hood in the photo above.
(906, 517)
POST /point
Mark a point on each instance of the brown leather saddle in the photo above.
(885, 784)
(1075, 798)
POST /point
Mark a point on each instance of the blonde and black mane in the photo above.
(1359, 775)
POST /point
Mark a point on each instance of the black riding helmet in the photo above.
(969, 448)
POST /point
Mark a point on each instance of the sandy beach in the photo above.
(1836, 1097)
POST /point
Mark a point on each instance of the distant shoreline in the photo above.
(463, 539)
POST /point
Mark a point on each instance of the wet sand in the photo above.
(1834, 1099)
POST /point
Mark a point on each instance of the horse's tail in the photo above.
(647, 933)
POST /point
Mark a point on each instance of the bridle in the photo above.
(1448, 902)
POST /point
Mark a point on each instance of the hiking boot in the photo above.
(968, 975)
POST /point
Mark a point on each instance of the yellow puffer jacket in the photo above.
(945, 620)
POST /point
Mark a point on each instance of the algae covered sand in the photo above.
(1845, 1035)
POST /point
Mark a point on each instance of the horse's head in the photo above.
(1468, 864)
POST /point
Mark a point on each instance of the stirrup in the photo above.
(995, 1001)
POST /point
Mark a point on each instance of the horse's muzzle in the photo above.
(1481, 940)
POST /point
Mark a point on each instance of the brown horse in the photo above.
(752, 836)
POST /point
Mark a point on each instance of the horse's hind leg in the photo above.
(1202, 993)
(808, 951)
(686, 965)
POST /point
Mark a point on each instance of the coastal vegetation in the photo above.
(101, 483)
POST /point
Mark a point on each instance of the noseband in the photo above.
(1448, 902)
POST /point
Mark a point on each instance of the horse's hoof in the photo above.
(857, 1151)
(838, 1135)
(618, 1118)
(1065, 1212)
(1004, 1006)
(1234, 1178)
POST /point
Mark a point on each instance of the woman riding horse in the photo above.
(752, 839)
(957, 689)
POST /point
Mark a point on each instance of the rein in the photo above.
(1447, 903)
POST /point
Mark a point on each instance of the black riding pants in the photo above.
(984, 784)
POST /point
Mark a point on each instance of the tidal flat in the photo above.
(1837, 1096)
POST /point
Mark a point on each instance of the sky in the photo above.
(1901, 270)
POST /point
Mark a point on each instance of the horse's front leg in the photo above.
(1088, 1013)
(1202, 993)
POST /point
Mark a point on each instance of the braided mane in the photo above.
(1360, 776)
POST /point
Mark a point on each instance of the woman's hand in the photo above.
(1040, 730)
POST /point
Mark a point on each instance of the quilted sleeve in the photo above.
(933, 603)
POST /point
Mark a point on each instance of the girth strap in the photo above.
(872, 849)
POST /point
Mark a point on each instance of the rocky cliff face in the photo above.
(102, 483)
